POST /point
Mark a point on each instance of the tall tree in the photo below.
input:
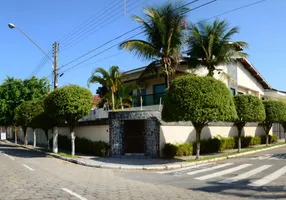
(283, 119)
(69, 104)
(164, 30)
(210, 45)
(200, 100)
(274, 111)
(25, 115)
(111, 80)
(13, 92)
(44, 121)
(249, 108)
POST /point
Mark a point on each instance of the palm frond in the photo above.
(141, 48)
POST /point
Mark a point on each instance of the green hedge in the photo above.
(214, 145)
(170, 150)
(84, 146)
(185, 149)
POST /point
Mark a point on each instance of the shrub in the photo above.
(200, 100)
(170, 150)
(226, 143)
(185, 149)
(275, 113)
(249, 108)
(83, 145)
(273, 138)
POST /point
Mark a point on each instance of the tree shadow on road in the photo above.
(15, 151)
(241, 189)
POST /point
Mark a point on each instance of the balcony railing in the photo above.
(148, 100)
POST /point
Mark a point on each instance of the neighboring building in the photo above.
(96, 100)
(241, 77)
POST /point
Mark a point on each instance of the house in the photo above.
(142, 132)
(241, 77)
(145, 133)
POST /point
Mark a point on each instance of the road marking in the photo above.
(28, 167)
(74, 194)
(269, 178)
(209, 169)
(221, 173)
(245, 175)
(9, 156)
(182, 169)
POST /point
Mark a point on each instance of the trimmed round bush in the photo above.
(200, 100)
(275, 113)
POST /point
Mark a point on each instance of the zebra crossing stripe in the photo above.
(209, 169)
(221, 173)
(246, 175)
(269, 178)
(182, 169)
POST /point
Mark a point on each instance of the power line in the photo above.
(120, 42)
(99, 53)
(235, 9)
(120, 36)
(88, 21)
(224, 13)
(42, 63)
(92, 63)
(104, 23)
(89, 25)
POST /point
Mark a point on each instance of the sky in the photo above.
(81, 26)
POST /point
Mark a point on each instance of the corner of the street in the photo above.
(139, 164)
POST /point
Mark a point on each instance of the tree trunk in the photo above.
(239, 132)
(25, 138)
(73, 142)
(267, 126)
(55, 140)
(15, 133)
(167, 77)
(211, 71)
(35, 138)
(198, 128)
(113, 103)
(48, 141)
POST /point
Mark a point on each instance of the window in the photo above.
(232, 91)
(240, 92)
(161, 88)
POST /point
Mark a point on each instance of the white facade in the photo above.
(240, 77)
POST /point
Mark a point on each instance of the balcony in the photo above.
(148, 100)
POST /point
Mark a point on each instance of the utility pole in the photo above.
(55, 70)
(55, 53)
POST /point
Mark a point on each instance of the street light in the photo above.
(12, 26)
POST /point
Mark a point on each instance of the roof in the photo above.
(254, 72)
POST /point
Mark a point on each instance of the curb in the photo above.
(145, 167)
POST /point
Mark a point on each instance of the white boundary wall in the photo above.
(94, 133)
(182, 133)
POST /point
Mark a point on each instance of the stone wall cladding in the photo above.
(151, 131)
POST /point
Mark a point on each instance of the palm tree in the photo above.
(125, 95)
(164, 31)
(109, 79)
(211, 45)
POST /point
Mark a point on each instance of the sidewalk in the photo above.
(136, 163)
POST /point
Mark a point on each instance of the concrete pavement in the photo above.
(25, 174)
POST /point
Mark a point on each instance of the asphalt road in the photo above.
(26, 174)
(257, 176)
